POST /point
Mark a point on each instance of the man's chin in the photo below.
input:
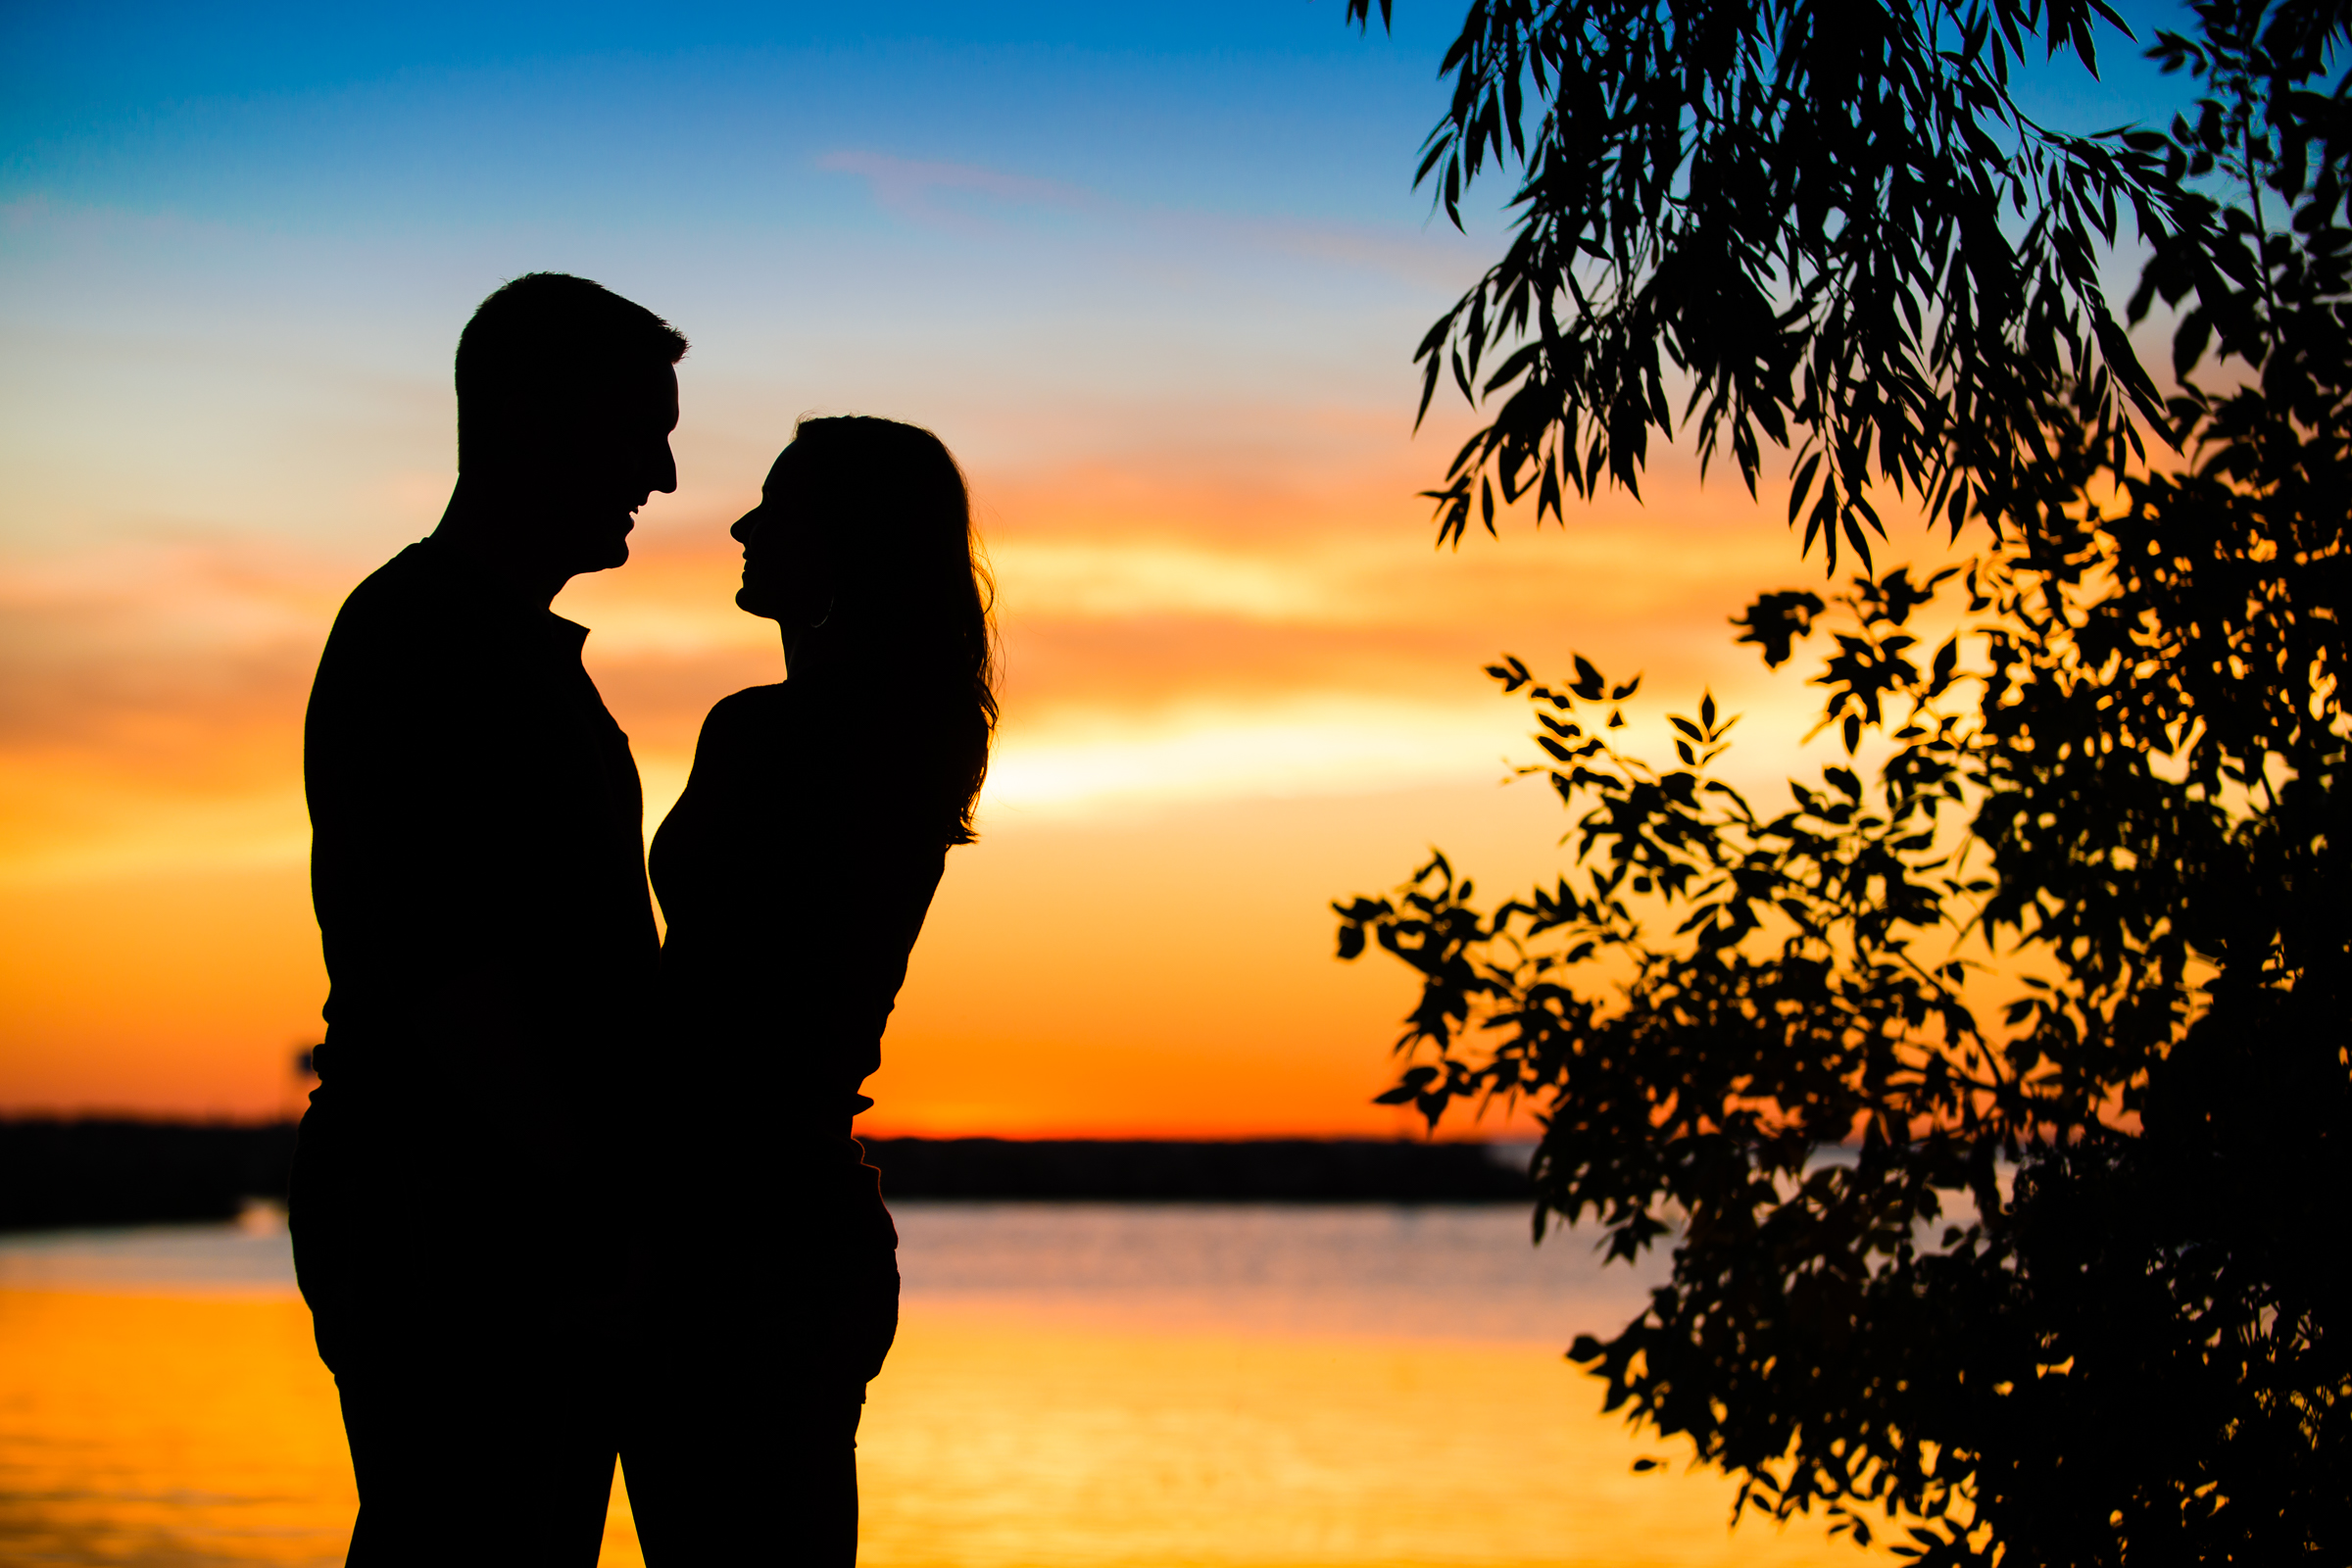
(609, 552)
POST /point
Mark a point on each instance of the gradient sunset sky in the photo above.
(1153, 274)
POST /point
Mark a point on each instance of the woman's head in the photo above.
(862, 550)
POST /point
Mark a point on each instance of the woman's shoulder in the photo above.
(754, 708)
(867, 759)
(737, 734)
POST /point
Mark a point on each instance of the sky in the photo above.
(1154, 274)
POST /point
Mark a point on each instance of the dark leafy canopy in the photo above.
(2067, 1281)
(1829, 219)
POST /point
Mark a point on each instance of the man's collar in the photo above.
(465, 572)
(567, 634)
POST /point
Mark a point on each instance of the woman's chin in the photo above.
(752, 602)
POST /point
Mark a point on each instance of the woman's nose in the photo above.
(742, 531)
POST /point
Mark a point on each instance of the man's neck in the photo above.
(487, 529)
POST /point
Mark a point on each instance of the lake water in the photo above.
(1240, 1385)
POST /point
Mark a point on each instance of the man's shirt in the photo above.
(476, 853)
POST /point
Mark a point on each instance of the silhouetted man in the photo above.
(479, 873)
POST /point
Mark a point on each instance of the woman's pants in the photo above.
(756, 1333)
(757, 1471)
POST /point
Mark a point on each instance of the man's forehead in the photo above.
(634, 393)
(658, 381)
(668, 395)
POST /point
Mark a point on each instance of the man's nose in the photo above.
(666, 474)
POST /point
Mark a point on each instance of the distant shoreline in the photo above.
(90, 1171)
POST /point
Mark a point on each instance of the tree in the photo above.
(1831, 219)
(2068, 1284)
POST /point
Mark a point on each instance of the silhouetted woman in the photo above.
(795, 873)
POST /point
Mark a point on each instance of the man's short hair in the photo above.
(546, 338)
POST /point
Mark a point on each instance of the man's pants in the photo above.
(464, 1460)
(471, 1331)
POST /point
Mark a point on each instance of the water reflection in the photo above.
(1075, 1385)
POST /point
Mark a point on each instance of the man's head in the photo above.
(566, 402)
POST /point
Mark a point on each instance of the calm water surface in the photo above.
(1074, 1384)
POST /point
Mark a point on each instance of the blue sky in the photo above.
(624, 118)
(311, 116)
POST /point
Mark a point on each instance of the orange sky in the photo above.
(1240, 684)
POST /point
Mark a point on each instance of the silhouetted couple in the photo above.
(568, 1190)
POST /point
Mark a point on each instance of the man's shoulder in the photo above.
(420, 599)
(400, 626)
(406, 584)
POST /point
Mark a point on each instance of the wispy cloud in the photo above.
(970, 198)
(1434, 257)
(926, 191)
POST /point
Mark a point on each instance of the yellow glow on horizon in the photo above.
(1306, 744)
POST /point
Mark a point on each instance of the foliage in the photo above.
(2065, 1282)
(1831, 219)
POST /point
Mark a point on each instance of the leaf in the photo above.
(1775, 621)
(2190, 340)
(1511, 673)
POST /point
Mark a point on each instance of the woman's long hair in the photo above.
(912, 600)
